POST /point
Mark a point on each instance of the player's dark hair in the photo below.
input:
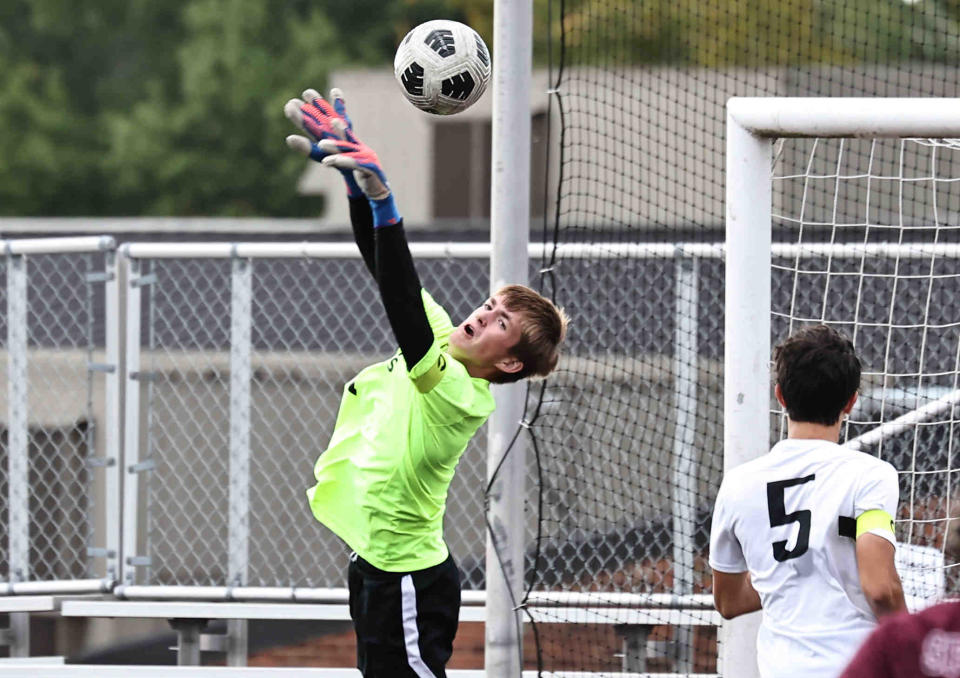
(818, 372)
(544, 327)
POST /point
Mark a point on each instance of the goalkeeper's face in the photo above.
(485, 339)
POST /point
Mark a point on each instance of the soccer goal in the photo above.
(847, 212)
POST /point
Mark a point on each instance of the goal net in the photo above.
(628, 436)
(867, 233)
(855, 228)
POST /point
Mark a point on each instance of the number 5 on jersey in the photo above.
(780, 517)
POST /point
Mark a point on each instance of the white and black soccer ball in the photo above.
(442, 66)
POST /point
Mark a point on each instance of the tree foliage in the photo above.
(139, 107)
(136, 107)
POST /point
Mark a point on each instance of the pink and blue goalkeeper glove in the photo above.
(355, 156)
(315, 117)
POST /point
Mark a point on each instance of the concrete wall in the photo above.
(402, 137)
(656, 134)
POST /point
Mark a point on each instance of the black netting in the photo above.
(627, 434)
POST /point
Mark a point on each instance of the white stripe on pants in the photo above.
(411, 634)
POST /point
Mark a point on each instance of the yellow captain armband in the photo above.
(429, 371)
(876, 522)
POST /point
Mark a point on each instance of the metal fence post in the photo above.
(241, 301)
(685, 373)
(509, 235)
(130, 269)
(113, 409)
(18, 437)
(18, 432)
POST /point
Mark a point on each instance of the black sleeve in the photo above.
(400, 292)
(361, 219)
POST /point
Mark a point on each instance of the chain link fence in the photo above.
(630, 464)
(214, 498)
(59, 512)
(200, 510)
(235, 362)
(220, 494)
(253, 353)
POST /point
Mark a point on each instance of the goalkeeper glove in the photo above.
(315, 117)
(359, 158)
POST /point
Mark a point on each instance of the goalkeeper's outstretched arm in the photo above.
(377, 225)
(314, 115)
(361, 221)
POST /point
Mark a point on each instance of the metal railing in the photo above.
(62, 448)
(233, 360)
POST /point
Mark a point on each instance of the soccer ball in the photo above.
(442, 66)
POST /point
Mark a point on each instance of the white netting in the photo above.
(867, 233)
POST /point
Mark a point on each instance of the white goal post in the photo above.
(752, 126)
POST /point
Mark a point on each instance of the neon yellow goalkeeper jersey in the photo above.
(382, 481)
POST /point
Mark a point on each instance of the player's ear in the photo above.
(510, 365)
(850, 403)
(779, 394)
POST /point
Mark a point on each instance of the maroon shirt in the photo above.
(921, 645)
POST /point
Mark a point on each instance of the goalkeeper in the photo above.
(404, 422)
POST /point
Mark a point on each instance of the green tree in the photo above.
(139, 107)
(214, 144)
(129, 107)
(51, 137)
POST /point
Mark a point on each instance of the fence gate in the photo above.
(60, 438)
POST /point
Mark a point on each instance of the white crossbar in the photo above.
(861, 117)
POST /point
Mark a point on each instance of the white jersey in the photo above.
(786, 518)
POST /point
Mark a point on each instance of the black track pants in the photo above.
(405, 622)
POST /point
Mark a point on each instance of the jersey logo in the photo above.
(442, 363)
(352, 388)
(779, 517)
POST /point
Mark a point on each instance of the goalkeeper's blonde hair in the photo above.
(543, 329)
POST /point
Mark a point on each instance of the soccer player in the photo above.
(923, 644)
(404, 422)
(805, 532)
